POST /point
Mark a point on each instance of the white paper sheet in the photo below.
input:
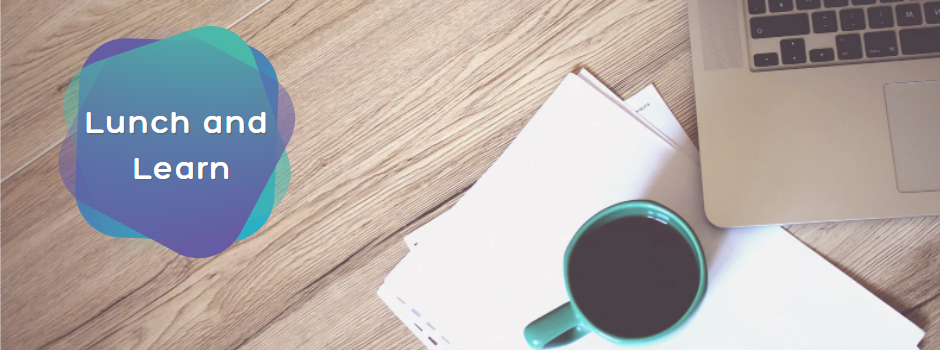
(649, 104)
(495, 263)
(397, 283)
(652, 111)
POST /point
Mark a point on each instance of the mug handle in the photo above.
(557, 328)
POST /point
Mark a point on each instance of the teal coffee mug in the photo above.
(634, 273)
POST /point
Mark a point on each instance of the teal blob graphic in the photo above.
(180, 140)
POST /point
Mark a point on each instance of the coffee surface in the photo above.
(633, 277)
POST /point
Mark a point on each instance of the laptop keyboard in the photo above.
(787, 34)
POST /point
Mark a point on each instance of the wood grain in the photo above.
(401, 106)
(926, 315)
(46, 42)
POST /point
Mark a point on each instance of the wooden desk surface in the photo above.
(401, 106)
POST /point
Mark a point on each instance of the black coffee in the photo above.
(633, 277)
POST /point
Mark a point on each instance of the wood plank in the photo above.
(46, 42)
(927, 316)
(398, 113)
(898, 260)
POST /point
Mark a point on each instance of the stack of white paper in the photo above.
(480, 273)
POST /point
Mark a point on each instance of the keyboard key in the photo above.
(909, 15)
(880, 17)
(781, 5)
(756, 7)
(825, 22)
(777, 26)
(793, 51)
(932, 12)
(849, 47)
(808, 4)
(853, 19)
(881, 44)
(766, 59)
(863, 2)
(920, 40)
(837, 3)
(822, 55)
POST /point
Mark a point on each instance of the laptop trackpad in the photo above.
(914, 119)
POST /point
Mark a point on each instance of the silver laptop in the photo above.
(817, 110)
